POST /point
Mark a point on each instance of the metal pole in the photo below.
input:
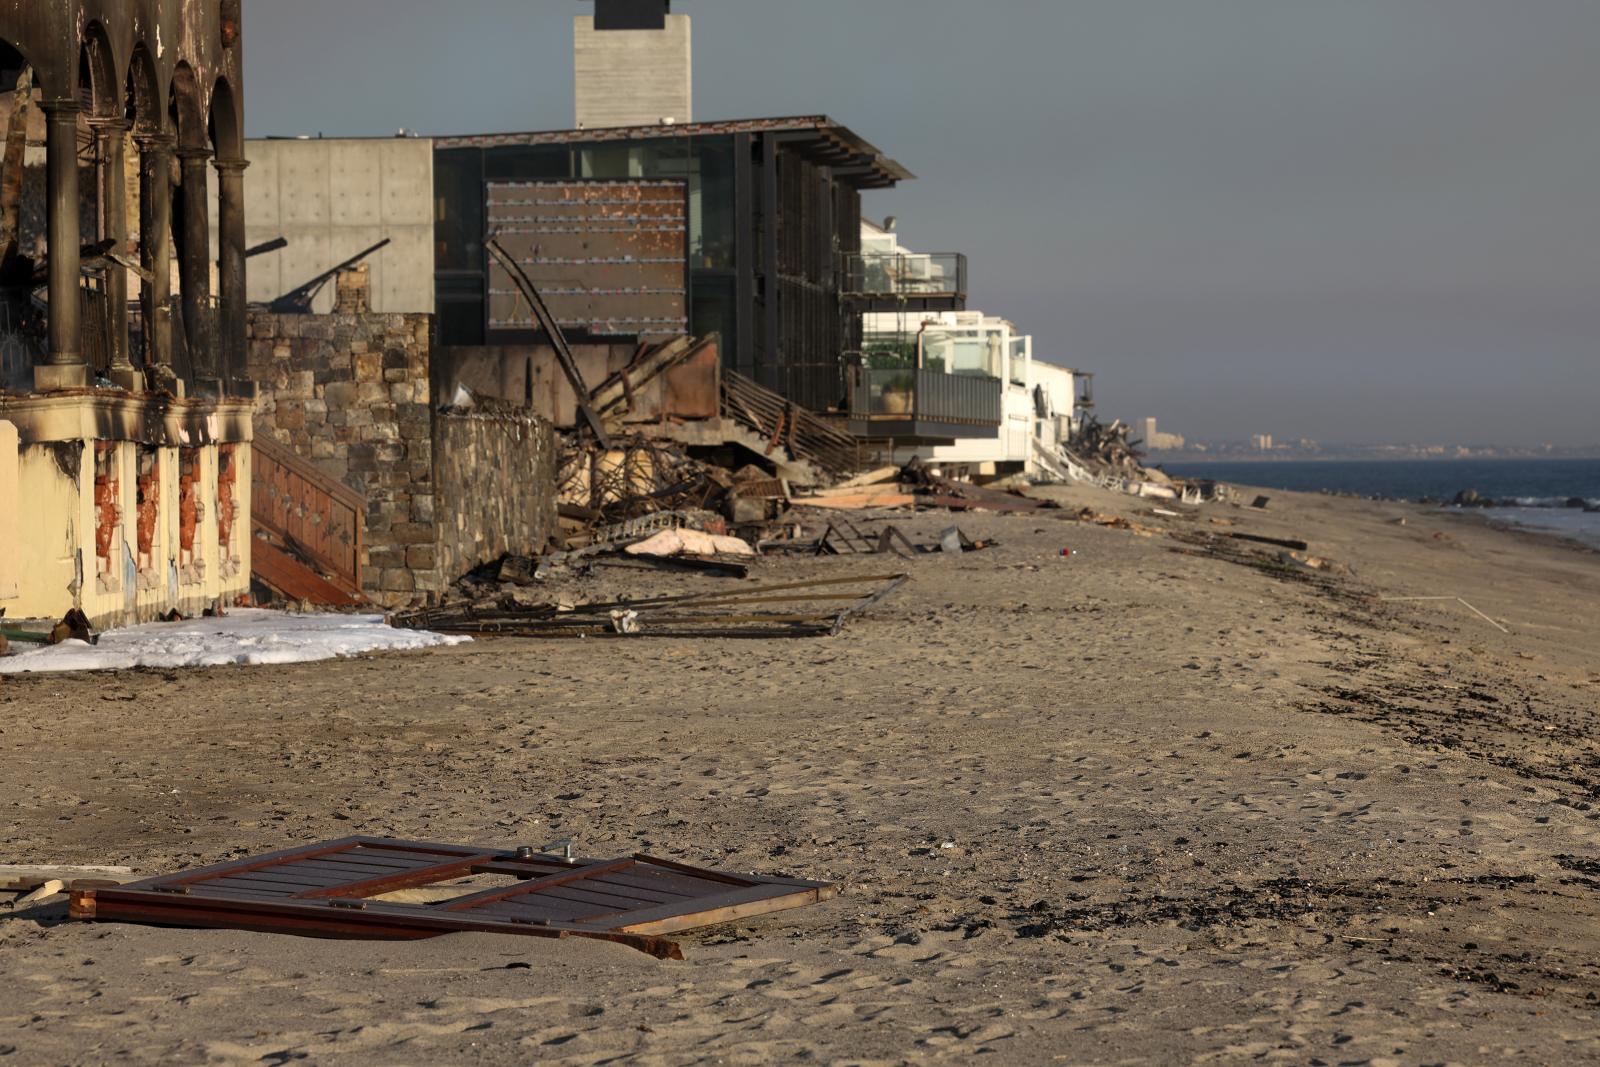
(65, 368)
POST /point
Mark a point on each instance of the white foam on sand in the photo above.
(243, 637)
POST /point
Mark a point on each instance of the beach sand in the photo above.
(1131, 805)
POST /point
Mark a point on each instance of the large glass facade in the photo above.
(706, 164)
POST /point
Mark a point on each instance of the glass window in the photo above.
(1019, 361)
(713, 312)
(458, 209)
(711, 225)
(528, 163)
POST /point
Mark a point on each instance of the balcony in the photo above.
(904, 281)
(906, 404)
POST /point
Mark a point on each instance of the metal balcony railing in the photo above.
(924, 397)
(906, 275)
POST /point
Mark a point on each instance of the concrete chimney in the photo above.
(632, 61)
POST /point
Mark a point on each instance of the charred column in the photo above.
(231, 268)
(194, 270)
(65, 368)
(155, 230)
(112, 135)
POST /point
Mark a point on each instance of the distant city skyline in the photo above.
(1357, 221)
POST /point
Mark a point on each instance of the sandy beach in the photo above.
(1150, 802)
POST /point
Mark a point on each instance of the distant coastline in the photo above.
(1558, 496)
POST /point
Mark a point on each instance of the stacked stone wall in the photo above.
(350, 393)
(496, 473)
(445, 491)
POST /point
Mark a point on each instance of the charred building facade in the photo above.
(124, 436)
(771, 211)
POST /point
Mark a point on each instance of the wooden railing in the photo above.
(307, 511)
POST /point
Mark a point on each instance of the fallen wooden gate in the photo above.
(308, 529)
(334, 889)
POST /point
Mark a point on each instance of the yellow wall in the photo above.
(49, 549)
(8, 513)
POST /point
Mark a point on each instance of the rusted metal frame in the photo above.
(421, 876)
(577, 874)
(558, 340)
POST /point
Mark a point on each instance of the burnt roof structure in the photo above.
(819, 138)
(171, 73)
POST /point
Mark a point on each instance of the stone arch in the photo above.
(143, 94)
(227, 133)
(187, 110)
(100, 88)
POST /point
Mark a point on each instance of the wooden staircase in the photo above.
(308, 530)
(801, 433)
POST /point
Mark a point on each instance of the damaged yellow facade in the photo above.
(124, 507)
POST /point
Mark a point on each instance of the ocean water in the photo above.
(1538, 487)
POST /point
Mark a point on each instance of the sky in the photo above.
(1356, 221)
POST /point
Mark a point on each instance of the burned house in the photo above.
(125, 419)
(771, 216)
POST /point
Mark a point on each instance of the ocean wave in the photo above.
(1548, 502)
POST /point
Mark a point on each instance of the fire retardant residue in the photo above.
(243, 637)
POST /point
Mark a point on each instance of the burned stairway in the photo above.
(307, 527)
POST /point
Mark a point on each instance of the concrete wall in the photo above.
(632, 77)
(332, 198)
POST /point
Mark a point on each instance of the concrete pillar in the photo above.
(155, 230)
(112, 135)
(194, 271)
(64, 368)
(231, 269)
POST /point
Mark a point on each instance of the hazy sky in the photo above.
(1354, 220)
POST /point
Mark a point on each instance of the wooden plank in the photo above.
(288, 576)
(857, 501)
(709, 911)
(254, 863)
(503, 893)
(629, 900)
(421, 876)
(877, 477)
(385, 922)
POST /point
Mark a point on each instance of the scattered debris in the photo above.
(682, 542)
(1312, 563)
(1116, 522)
(343, 889)
(26, 878)
(74, 627)
(785, 610)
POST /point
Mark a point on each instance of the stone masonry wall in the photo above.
(446, 490)
(351, 394)
(495, 473)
